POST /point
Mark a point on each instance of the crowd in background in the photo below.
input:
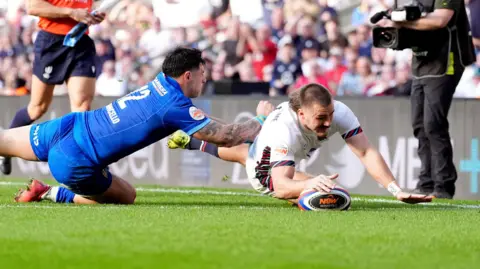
(286, 43)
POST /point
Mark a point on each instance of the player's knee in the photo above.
(131, 195)
(37, 111)
(82, 106)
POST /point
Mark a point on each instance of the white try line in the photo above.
(6, 183)
(126, 207)
(232, 193)
(361, 199)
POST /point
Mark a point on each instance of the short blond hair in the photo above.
(308, 95)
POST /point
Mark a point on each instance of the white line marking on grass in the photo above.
(232, 193)
(368, 200)
(129, 207)
(386, 201)
(6, 183)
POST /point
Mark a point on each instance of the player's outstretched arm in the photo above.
(229, 135)
(378, 169)
(284, 185)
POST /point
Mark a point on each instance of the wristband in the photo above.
(393, 188)
(261, 119)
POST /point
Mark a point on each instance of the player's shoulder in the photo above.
(340, 106)
(342, 111)
(281, 116)
(281, 124)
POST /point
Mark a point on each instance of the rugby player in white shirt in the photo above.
(291, 133)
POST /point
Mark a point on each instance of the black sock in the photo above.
(196, 144)
(21, 119)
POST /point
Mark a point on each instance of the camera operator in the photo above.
(442, 51)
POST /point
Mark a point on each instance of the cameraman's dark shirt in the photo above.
(445, 55)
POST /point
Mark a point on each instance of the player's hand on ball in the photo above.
(264, 108)
(410, 198)
(322, 183)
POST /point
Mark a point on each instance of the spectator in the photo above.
(245, 70)
(367, 78)
(304, 7)
(312, 73)
(260, 45)
(156, 42)
(277, 24)
(353, 40)
(360, 13)
(404, 80)
(365, 41)
(333, 36)
(231, 45)
(326, 13)
(208, 41)
(334, 75)
(285, 68)
(309, 50)
(6, 47)
(305, 35)
(379, 55)
(270, 7)
(105, 52)
(386, 83)
(350, 81)
(108, 84)
(25, 46)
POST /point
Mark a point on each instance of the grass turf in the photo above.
(206, 228)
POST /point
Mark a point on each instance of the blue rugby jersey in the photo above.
(137, 120)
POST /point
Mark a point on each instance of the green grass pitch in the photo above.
(210, 228)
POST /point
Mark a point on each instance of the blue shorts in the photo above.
(53, 141)
(54, 63)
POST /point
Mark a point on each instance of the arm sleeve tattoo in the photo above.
(231, 134)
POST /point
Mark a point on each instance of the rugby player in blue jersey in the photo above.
(79, 146)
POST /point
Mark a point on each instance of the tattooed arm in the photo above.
(229, 135)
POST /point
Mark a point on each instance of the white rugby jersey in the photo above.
(283, 141)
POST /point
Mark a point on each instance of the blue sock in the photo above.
(64, 195)
(21, 119)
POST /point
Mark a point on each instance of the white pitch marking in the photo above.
(231, 193)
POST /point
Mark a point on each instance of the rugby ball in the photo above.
(313, 200)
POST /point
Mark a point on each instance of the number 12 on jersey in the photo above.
(135, 95)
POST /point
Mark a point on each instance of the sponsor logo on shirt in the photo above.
(158, 86)
(196, 113)
(281, 151)
(35, 135)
